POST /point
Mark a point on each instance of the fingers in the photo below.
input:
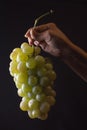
(42, 28)
(32, 36)
(37, 35)
(49, 49)
(37, 29)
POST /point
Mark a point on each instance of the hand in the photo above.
(52, 40)
(49, 37)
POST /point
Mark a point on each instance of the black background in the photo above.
(70, 110)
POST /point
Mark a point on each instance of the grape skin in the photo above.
(34, 78)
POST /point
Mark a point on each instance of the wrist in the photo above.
(66, 48)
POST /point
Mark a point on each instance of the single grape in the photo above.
(28, 50)
(36, 113)
(30, 114)
(18, 84)
(31, 63)
(51, 74)
(22, 57)
(43, 116)
(44, 107)
(30, 95)
(52, 93)
(49, 66)
(13, 68)
(21, 67)
(41, 97)
(20, 93)
(22, 77)
(25, 98)
(37, 89)
(14, 53)
(51, 100)
(24, 105)
(49, 91)
(26, 88)
(44, 81)
(40, 60)
(41, 71)
(37, 50)
(24, 44)
(32, 80)
(33, 104)
(32, 71)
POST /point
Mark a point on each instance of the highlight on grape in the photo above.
(34, 78)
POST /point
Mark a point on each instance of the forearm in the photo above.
(76, 59)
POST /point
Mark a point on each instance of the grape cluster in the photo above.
(34, 78)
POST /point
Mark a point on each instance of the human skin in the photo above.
(53, 41)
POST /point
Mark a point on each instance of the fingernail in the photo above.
(25, 35)
(36, 43)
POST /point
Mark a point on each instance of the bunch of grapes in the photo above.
(34, 78)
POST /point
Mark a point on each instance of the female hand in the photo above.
(52, 40)
(49, 37)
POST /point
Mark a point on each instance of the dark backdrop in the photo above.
(70, 110)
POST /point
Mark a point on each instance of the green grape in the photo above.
(36, 113)
(51, 100)
(40, 97)
(24, 45)
(37, 50)
(26, 88)
(18, 84)
(43, 116)
(52, 93)
(25, 98)
(22, 77)
(21, 67)
(32, 80)
(28, 50)
(24, 105)
(51, 74)
(32, 71)
(22, 57)
(13, 68)
(20, 93)
(36, 89)
(30, 114)
(44, 107)
(48, 66)
(31, 63)
(44, 81)
(30, 95)
(40, 60)
(33, 104)
(41, 71)
(14, 53)
(15, 77)
(49, 91)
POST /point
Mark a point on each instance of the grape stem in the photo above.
(45, 14)
(39, 18)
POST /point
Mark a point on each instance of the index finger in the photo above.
(41, 28)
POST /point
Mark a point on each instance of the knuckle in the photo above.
(49, 35)
(33, 33)
(52, 24)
